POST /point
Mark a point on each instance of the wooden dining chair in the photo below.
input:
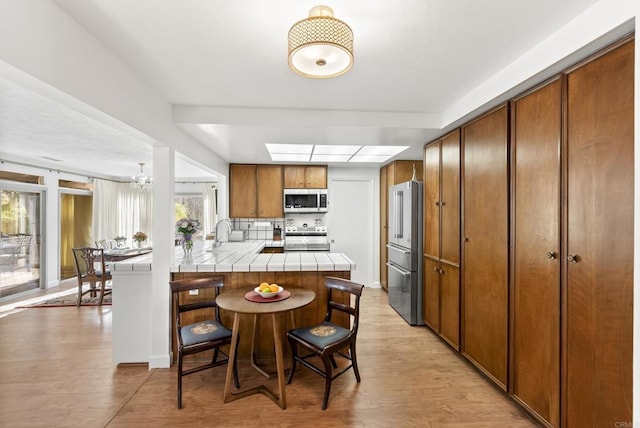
(204, 330)
(328, 340)
(91, 268)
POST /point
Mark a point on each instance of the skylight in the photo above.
(331, 153)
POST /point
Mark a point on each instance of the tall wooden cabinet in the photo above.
(536, 120)
(485, 250)
(393, 173)
(255, 191)
(572, 256)
(598, 256)
(441, 245)
(546, 267)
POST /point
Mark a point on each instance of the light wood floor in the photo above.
(56, 370)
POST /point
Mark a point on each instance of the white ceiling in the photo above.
(223, 66)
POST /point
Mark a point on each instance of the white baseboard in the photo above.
(160, 361)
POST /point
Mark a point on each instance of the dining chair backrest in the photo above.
(91, 267)
(89, 262)
(351, 309)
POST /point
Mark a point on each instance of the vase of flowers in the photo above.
(187, 227)
(139, 238)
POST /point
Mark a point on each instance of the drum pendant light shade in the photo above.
(320, 46)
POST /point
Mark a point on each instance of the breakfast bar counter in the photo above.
(241, 264)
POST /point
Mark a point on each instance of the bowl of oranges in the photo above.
(267, 290)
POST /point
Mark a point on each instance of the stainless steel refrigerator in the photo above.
(404, 259)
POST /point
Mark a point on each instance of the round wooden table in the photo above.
(234, 301)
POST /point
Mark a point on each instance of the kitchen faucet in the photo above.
(216, 239)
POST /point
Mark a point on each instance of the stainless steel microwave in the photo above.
(305, 201)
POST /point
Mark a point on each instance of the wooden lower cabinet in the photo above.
(431, 294)
(441, 297)
(450, 304)
(308, 315)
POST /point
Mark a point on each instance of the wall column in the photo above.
(163, 256)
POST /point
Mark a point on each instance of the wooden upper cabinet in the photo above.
(403, 170)
(243, 191)
(255, 191)
(305, 177)
(269, 197)
(450, 198)
(293, 177)
(315, 177)
(432, 200)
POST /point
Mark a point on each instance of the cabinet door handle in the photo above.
(442, 204)
(437, 203)
(466, 239)
(441, 271)
(552, 255)
(573, 258)
(435, 269)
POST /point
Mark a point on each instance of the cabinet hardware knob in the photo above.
(435, 269)
(573, 258)
(437, 203)
(551, 255)
(466, 239)
(442, 204)
(441, 271)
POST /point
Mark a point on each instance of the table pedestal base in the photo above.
(279, 398)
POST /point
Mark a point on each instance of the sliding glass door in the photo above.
(20, 233)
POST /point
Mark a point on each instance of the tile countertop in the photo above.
(242, 257)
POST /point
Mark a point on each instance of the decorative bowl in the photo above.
(268, 295)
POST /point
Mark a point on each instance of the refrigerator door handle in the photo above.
(394, 248)
(399, 214)
(401, 272)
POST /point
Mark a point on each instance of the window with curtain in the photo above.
(200, 206)
(120, 210)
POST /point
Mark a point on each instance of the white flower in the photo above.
(185, 224)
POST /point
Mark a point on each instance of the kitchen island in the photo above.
(241, 264)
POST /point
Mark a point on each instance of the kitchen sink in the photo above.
(237, 247)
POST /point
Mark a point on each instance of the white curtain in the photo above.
(120, 210)
(209, 208)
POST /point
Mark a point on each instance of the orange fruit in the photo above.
(264, 286)
(274, 287)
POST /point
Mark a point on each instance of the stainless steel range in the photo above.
(306, 238)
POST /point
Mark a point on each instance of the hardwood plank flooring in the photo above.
(56, 370)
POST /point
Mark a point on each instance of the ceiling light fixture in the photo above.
(332, 153)
(320, 46)
(141, 181)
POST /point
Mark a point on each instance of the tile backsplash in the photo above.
(258, 228)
